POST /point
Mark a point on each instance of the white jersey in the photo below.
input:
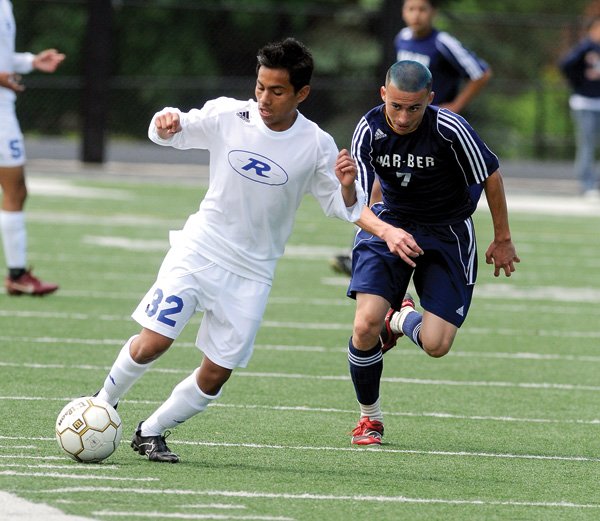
(258, 178)
(10, 61)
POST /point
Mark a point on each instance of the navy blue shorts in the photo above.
(444, 276)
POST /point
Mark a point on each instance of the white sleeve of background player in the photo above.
(326, 188)
(23, 62)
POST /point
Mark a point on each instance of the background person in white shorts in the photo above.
(264, 157)
(19, 280)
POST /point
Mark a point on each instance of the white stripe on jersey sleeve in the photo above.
(362, 130)
(468, 144)
(462, 55)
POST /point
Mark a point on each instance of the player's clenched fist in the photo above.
(167, 124)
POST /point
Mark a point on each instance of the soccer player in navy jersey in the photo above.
(458, 74)
(427, 160)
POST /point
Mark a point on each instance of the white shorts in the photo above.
(233, 306)
(12, 147)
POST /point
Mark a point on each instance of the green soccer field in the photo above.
(505, 427)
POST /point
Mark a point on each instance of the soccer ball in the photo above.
(88, 429)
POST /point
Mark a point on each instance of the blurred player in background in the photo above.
(264, 157)
(426, 159)
(458, 74)
(19, 280)
(581, 67)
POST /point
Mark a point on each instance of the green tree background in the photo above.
(182, 52)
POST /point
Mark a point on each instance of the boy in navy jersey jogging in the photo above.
(430, 163)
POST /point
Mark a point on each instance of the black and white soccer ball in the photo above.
(88, 429)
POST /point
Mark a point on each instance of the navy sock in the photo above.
(366, 368)
(412, 327)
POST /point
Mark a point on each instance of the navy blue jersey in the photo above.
(426, 176)
(581, 67)
(448, 60)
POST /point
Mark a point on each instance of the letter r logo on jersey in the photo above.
(259, 167)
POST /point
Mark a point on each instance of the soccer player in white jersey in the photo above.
(19, 280)
(264, 157)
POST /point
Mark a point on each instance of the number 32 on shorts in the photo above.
(172, 305)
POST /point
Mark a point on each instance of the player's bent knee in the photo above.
(437, 350)
(145, 348)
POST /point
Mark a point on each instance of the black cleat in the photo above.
(154, 447)
(342, 264)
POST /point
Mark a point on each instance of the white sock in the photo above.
(372, 411)
(186, 400)
(123, 374)
(14, 238)
(397, 320)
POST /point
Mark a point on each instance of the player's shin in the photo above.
(186, 400)
(123, 374)
(366, 368)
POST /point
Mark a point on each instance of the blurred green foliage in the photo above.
(182, 52)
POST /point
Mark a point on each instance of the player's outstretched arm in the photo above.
(167, 124)
(48, 60)
(399, 242)
(501, 252)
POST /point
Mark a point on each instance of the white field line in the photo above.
(299, 349)
(48, 466)
(312, 326)
(218, 506)
(389, 451)
(316, 448)
(70, 476)
(344, 378)
(37, 458)
(483, 291)
(330, 410)
(174, 515)
(318, 497)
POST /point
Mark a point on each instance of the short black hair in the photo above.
(289, 54)
(409, 76)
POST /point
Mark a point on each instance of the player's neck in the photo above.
(422, 32)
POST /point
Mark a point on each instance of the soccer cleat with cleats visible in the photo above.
(27, 284)
(387, 336)
(342, 264)
(154, 447)
(367, 432)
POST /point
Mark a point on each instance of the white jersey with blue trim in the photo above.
(258, 178)
(11, 61)
(426, 176)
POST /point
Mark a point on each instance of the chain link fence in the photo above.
(169, 53)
